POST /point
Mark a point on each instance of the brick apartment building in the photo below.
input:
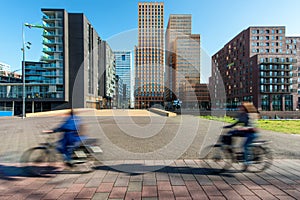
(261, 65)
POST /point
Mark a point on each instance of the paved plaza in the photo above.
(146, 157)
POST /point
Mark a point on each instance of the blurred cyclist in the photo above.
(248, 116)
(72, 129)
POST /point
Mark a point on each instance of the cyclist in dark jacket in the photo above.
(247, 117)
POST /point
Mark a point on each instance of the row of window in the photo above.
(267, 37)
(262, 50)
(291, 41)
(276, 67)
(276, 60)
(276, 80)
(267, 31)
(271, 73)
(262, 44)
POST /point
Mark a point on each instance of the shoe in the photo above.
(245, 167)
(69, 163)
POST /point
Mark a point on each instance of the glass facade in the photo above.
(123, 69)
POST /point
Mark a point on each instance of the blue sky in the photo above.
(217, 21)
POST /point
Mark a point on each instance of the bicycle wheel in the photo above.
(261, 159)
(38, 161)
(218, 158)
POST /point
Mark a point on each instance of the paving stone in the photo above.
(100, 196)
(263, 194)
(293, 193)
(165, 195)
(231, 194)
(76, 187)
(162, 177)
(133, 196)
(164, 185)
(105, 187)
(251, 197)
(68, 196)
(203, 180)
(251, 185)
(222, 185)
(118, 193)
(285, 197)
(198, 194)
(242, 190)
(180, 191)
(149, 191)
(176, 179)
(31, 197)
(211, 190)
(93, 182)
(192, 185)
(86, 193)
(134, 186)
(273, 190)
(54, 194)
(217, 198)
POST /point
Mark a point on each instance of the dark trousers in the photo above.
(249, 137)
(68, 143)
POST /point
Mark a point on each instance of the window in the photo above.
(123, 58)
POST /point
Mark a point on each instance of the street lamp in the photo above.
(27, 45)
(11, 74)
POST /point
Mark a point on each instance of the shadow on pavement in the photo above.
(137, 169)
(9, 172)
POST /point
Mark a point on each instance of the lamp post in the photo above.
(27, 45)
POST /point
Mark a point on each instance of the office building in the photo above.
(4, 67)
(69, 72)
(257, 65)
(183, 62)
(149, 55)
(108, 76)
(123, 70)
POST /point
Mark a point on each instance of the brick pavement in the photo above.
(182, 179)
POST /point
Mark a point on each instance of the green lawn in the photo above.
(284, 126)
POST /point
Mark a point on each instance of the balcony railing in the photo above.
(280, 61)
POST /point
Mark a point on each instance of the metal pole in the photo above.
(23, 72)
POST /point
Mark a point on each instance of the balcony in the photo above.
(280, 91)
(53, 26)
(277, 68)
(52, 66)
(279, 61)
(51, 18)
(52, 58)
(52, 42)
(52, 50)
(51, 34)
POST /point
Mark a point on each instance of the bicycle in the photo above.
(44, 159)
(224, 155)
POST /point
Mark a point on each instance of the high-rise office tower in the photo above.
(182, 61)
(149, 55)
(123, 70)
(258, 65)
